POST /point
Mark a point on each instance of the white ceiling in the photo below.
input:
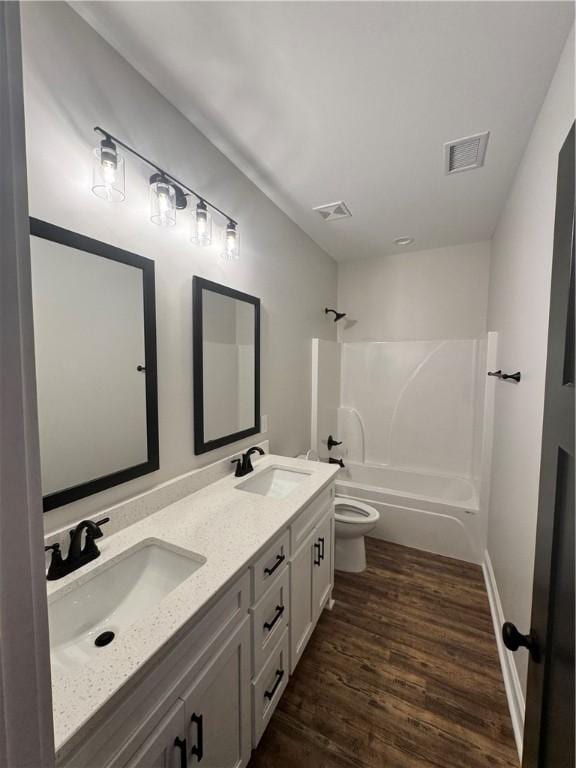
(325, 101)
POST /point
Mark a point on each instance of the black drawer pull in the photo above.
(181, 745)
(279, 676)
(317, 551)
(279, 560)
(269, 624)
(198, 749)
(321, 540)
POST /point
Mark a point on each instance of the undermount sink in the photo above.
(88, 617)
(276, 482)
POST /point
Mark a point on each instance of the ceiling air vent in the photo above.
(333, 211)
(465, 154)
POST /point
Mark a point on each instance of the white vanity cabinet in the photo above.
(311, 582)
(208, 697)
(217, 707)
(165, 746)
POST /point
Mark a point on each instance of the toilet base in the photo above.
(350, 555)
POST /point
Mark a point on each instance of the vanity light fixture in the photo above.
(108, 181)
(230, 250)
(167, 194)
(201, 225)
(403, 240)
(162, 201)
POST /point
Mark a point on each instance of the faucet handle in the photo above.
(55, 569)
(238, 462)
(96, 533)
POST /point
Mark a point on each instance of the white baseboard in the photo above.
(514, 693)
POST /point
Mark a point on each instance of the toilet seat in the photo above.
(354, 512)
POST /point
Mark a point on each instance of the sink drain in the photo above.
(105, 638)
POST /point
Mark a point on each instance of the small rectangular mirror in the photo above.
(226, 365)
(95, 346)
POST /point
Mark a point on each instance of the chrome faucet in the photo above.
(244, 464)
(78, 555)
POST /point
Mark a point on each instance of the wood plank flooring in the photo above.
(402, 673)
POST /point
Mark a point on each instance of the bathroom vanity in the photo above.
(212, 601)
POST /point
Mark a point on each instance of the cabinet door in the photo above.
(301, 601)
(165, 747)
(322, 565)
(217, 707)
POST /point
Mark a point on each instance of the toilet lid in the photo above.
(352, 511)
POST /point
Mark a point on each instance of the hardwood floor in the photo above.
(403, 672)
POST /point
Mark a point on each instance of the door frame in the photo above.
(26, 730)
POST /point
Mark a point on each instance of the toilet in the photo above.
(354, 520)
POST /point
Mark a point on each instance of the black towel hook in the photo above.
(505, 376)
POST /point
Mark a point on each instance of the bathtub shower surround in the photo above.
(415, 400)
(411, 418)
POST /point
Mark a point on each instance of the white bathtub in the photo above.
(437, 513)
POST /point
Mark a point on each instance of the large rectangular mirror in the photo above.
(95, 345)
(226, 365)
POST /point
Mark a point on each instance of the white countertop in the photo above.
(226, 526)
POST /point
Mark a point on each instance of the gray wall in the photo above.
(434, 294)
(73, 81)
(518, 310)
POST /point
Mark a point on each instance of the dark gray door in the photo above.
(549, 723)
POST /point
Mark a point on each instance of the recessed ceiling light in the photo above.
(403, 240)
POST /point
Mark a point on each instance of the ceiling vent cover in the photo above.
(465, 154)
(333, 211)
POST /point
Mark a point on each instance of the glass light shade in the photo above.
(201, 230)
(162, 203)
(108, 181)
(230, 250)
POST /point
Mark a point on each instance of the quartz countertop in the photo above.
(221, 523)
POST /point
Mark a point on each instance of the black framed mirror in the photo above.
(95, 347)
(226, 337)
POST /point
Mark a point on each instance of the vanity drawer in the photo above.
(269, 620)
(308, 518)
(269, 687)
(269, 566)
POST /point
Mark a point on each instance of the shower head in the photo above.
(337, 315)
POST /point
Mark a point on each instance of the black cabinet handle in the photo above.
(317, 551)
(269, 624)
(181, 745)
(279, 560)
(198, 748)
(279, 676)
(321, 540)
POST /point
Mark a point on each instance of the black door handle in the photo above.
(514, 640)
(279, 560)
(317, 550)
(321, 540)
(198, 748)
(269, 624)
(279, 676)
(181, 745)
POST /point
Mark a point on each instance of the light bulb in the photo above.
(108, 172)
(201, 233)
(162, 201)
(230, 251)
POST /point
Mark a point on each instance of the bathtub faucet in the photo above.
(336, 461)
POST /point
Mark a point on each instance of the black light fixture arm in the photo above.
(164, 173)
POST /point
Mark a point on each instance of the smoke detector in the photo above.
(333, 211)
(465, 154)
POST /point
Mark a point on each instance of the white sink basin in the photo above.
(114, 597)
(276, 482)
